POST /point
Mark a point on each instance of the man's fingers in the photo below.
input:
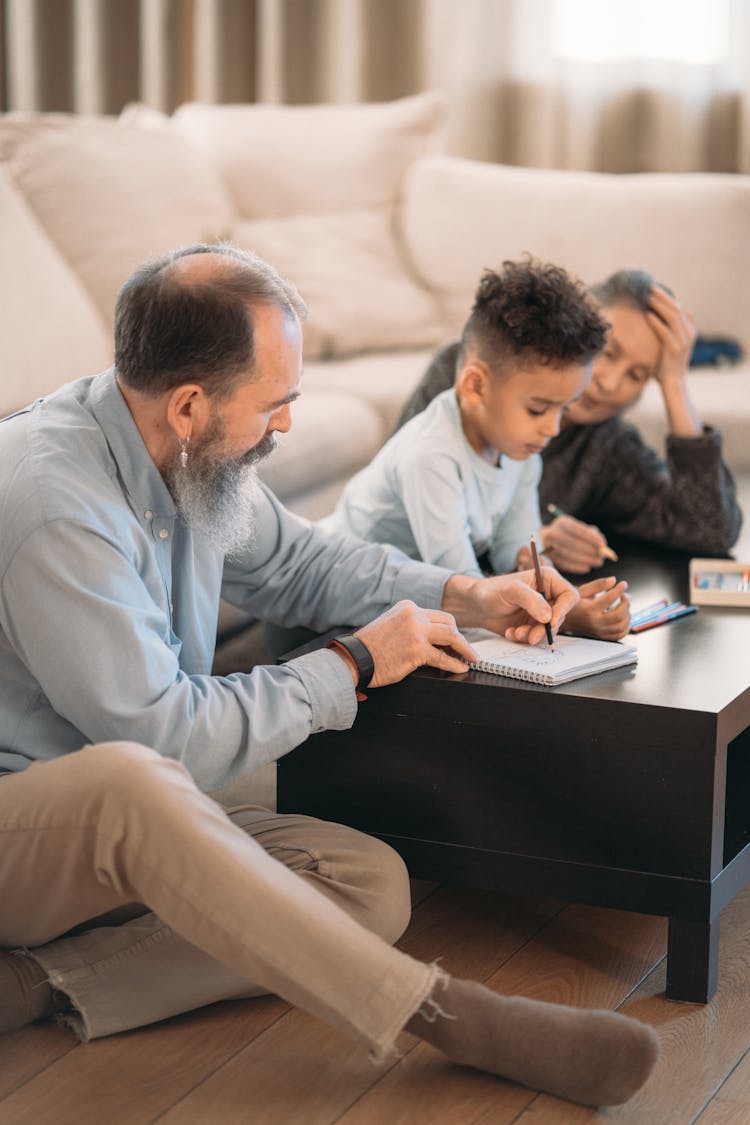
(534, 603)
(439, 658)
(519, 633)
(448, 636)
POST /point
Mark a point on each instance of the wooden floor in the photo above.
(261, 1061)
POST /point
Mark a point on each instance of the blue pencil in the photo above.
(650, 610)
(680, 611)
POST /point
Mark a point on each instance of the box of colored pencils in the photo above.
(719, 582)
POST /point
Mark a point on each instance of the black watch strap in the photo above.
(361, 656)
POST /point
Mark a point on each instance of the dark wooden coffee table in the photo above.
(629, 789)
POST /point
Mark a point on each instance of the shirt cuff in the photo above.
(421, 583)
(330, 688)
(704, 447)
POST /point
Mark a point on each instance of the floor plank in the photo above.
(132, 1077)
(732, 1101)
(28, 1052)
(701, 1044)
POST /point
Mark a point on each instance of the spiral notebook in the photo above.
(571, 659)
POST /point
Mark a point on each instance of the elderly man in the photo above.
(129, 505)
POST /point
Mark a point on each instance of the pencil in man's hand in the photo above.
(540, 585)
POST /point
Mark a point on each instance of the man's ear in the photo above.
(188, 410)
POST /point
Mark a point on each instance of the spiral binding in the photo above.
(512, 673)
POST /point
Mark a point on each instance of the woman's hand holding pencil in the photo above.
(574, 546)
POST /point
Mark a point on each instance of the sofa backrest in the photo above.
(691, 231)
(50, 329)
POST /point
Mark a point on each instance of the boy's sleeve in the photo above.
(520, 521)
(432, 493)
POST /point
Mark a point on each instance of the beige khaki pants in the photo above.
(216, 903)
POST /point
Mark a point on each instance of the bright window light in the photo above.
(692, 31)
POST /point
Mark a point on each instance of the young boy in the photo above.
(458, 485)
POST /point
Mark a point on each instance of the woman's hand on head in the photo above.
(675, 330)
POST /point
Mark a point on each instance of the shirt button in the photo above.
(163, 533)
(148, 514)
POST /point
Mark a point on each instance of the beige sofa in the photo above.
(384, 236)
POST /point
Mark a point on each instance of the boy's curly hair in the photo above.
(533, 312)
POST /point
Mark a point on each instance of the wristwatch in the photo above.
(361, 656)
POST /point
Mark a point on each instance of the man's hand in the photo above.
(405, 637)
(510, 604)
(574, 547)
(525, 560)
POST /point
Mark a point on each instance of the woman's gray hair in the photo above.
(627, 287)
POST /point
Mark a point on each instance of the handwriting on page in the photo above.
(539, 657)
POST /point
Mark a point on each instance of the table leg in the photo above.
(692, 960)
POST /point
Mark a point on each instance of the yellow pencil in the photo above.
(606, 549)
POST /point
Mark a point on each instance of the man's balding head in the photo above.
(188, 317)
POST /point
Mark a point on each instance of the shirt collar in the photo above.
(140, 477)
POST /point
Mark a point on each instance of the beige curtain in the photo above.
(511, 97)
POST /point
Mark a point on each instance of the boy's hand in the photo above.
(603, 611)
(573, 546)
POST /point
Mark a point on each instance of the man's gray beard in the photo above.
(216, 495)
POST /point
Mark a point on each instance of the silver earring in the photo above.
(184, 451)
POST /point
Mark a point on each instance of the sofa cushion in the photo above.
(383, 379)
(110, 195)
(333, 435)
(315, 189)
(281, 160)
(49, 327)
(461, 216)
(347, 269)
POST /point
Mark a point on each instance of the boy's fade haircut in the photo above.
(532, 312)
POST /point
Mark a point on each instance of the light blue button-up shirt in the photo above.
(109, 603)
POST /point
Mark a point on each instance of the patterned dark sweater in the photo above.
(605, 474)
